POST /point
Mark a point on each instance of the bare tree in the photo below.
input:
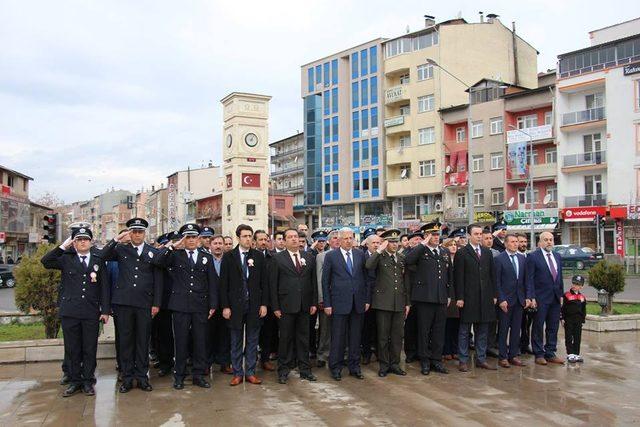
(50, 200)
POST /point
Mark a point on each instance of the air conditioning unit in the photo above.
(437, 205)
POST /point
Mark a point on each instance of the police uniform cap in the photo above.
(137, 224)
(190, 230)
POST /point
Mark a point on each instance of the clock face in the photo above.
(229, 140)
(251, 139)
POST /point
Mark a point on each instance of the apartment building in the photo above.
(287, 175)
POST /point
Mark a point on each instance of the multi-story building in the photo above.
(156, 207)
(429, 70)
(185, 187)
(598, 120)
(287, 174)
(15, 219)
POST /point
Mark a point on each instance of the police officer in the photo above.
(390, 301)
(83, 303)
(136, 300)
(431, 293)
(499, 234)
(162, 321)
(193, 300)
(205, 239)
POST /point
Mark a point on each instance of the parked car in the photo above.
(598, 255)
(573, 256)
(6, 276)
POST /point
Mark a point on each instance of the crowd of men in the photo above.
(193, 300)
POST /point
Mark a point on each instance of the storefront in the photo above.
(15, 221)
(580, 229)
(519, 221)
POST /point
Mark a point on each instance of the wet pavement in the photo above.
(603, 391)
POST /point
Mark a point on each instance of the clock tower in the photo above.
(245, 155)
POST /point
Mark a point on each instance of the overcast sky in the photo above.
(104, 94)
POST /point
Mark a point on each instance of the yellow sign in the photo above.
(484, 217)
(429, 217)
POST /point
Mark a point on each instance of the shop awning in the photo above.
(536, 227)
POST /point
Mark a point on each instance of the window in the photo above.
(405, 141)
(373, 59)
(478, 197)
(524, 194)
(551, 155)
(375, 183)
(636, 98)
(334, 100)
(364, 63)
(496, 125)
(364, 92)
(354, 65)
(10, 181)
(280, 203)
(355, 95)
(425, 71)
(477, 129)
(334, 72)
(228, 210)
(374, 90)
(356, 154)
(334, 151)
(310, 80)
(525, 122)
(593, 184)
(356, 185)
(594, 101)
(355, 119)
(461, 134)
(497, 161)
(427, 168)
(592, 143)
(334, 129)
(497, 196)
(365, 184)
(318, 74)
(336, 189)
(326, 77)
(374, 117)
(478, 163)
(325, 102)
(251, 209)
(547, 117)
(534, 157)
(552, 192)
(397, 47)
(462, 200)
(405, 110)
(327, 187)
(365, 152)
(327, 159)
(374, 152)
(327, 131)
(364, 119)
(426, 136)
(405, 79)
(426, 103)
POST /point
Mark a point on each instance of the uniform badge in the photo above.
(95, 267)
(204, 260)
(150, 254)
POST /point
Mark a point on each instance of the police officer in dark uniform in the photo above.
(136, 300)
(193, 300)
(162, 320)
(205, 239)
(411, 322)
(499, 234)
(431, 293)
(84, 302)
(390, 301)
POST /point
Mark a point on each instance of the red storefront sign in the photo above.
(619, 238)
(618, 212)
(587, 213)
(251, 180)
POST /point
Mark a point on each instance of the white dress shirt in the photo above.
(139, 249)
(552, 258)
(87, 259)
(344, 255)
(293, 255)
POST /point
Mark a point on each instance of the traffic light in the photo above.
(49, 226)
(602, 222)
(129, 202)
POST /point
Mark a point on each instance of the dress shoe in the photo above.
(382, 373)
(282, 379)
(309, 377)
(88, 390)
(357, 375)
(144, 385)
(410, 359)
(555, 360)
(125, 387)
(156, 365)
(526, 350)
(397, 371)
(455, 357)
(485, 365)
(71, 390)
(253, 379)
(164, 372)
(268, 366)
(321, 363)
(366, 359)
(119, 376)
(236, 380)
(541, 361)
(425, 369)
(447, 357)
(439, 368)
(463, 367)
(226, 369)
(504, 363)
(492, 353)
(201, 382)
(65, 380)
(337, 376)
(178, 384)
(517, 362)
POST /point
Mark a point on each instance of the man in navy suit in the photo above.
(544, 278)
(513, 297)
(346, 298)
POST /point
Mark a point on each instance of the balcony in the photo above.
(584, 161)
(396, 94)
(286, 153)
(453, 145)
(397, 124)
(592, 116)
(586, 200)
(411, 187)
(399, 156)
(537, 133)
(543, 171)
(291, 169)
(455, 179)
(292, 189)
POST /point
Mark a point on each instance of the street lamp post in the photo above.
(532, 231)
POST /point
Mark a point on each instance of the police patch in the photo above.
(204, 260)
(150, 254)
(96, 267)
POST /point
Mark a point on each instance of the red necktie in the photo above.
(298, 266)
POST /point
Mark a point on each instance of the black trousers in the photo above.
(134, 331)
(341, 326)
(294, 343)
(199, 326)
(164, 339)
(313, 335)
(525, 330)
(81, 344)
(390, 325)
(268, 336)
(369, 340)
(117, 340)
(572, 335)
(411, 334)
(451, 327)
(431, 321)
(219, 340)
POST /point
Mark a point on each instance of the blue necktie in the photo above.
(515, 264)
(349, 264)
(84, 261)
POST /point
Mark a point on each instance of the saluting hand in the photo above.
(67, 243)
(383, 246)
(122, 237)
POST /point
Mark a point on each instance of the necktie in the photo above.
(245, 267)
(349, 264)
(84, 261)
(139, 250)
(515, 264)
(478, 252)
(191, 261)
(552, 267)
(298, 266)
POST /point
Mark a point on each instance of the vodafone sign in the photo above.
(583, 214)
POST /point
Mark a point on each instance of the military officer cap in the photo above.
(392, 235)
(190, 230)
(381, 229)
(206, 232)
(402, 236)
(137, 224)
(416, 233)
(174, 236)
(320, 235)
(368, 232)
(458, 232)
(82, 232)
(578, 280)
(500, 225)
(163, 239)
(431, 228)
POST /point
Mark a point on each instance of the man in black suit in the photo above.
(294, 298)
(269, 330)
(193, 300)
(244, 297)
(476, 296)
(84, 301)
(219, 337)
(346, 298)
(136, 299)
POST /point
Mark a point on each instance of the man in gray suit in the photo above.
(325, 321)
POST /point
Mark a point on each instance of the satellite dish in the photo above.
(546, 199)
(403, 174)
(511, 202)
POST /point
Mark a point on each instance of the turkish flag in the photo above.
(251, 180)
